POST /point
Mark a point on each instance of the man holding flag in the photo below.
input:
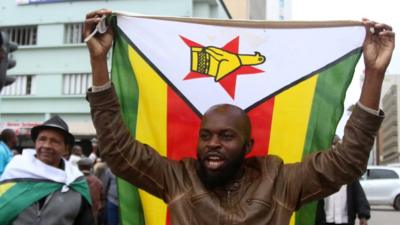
(221, 186)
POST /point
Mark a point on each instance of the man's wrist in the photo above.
(369, 110)
(101, 87)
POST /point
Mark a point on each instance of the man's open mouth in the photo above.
(214, 162)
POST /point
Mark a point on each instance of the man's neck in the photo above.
(61, 165)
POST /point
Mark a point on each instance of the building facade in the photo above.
(259, 9)
(388, 138)
(53, 69)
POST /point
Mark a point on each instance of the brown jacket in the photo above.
(97, 194)
(267, 193)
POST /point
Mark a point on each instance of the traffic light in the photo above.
(6, 60)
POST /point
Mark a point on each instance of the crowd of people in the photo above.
(220, 186)
(55, 149)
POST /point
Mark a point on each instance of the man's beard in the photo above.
(223, 175)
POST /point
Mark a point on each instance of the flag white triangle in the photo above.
(290, 55)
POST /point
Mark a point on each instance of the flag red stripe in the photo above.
(261, 120)
(182, 127)
(182, 130)
(168, 220)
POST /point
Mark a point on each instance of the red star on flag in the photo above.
(228, 82)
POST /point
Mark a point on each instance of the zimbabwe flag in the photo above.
(291, 78)
(17, 195)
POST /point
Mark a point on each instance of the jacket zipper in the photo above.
(39, 212)
(228, 199)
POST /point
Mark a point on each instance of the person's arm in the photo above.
(377, 50)
(325, 171)
(363, 209)
(98, 46)
(3, 160)
(363, 221)
(127, 158)
(322, 173)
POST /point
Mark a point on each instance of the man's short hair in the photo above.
(7, 134)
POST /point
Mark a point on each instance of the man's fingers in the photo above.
(98, 13)
(91, 14)
(383, 26)
(368, 22)
(377, 29)
(383, 29)
(92, 19)
(369, 26)
(90, 25)
(387, 33)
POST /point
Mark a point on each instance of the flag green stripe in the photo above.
(82, 186)
(130, 206)
(20, 196)
(328, 103)
(24, 193)
(327, 109)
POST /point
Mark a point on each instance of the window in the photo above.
(382, 174)
(73, 33)
(76, 83)
(26, 35)
(21, 86)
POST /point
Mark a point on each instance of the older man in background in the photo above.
(40, 187)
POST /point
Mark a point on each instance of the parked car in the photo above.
(381, 185)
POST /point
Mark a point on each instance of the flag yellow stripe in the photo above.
(5, 187)
(292, 109)
(151, 126)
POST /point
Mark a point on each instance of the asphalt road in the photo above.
(382, 215)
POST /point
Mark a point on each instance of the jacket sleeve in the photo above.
(324, 172)
(129, 159)
(362, 206)
(85, 216)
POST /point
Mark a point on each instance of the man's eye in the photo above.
(41, 139)
(227, 136)
(204, 136)
(55, 142)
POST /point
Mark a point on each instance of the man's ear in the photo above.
(67, 149)
(249, 146)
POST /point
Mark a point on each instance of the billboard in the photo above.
(26, 2)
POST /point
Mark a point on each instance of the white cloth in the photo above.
(336, 207)
(28, 166)
(93, 157)
(73, 159)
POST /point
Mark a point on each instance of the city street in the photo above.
(382, 215)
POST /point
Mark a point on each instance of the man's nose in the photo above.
(46, 144)
(214, 142)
